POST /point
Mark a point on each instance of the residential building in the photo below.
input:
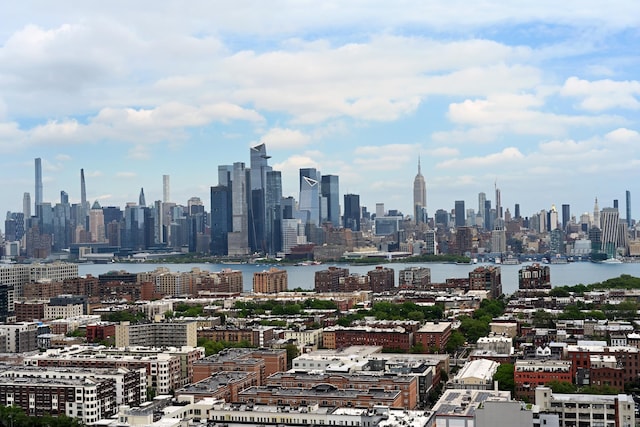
(270, 281)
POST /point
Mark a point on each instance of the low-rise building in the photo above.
(529, 374)
(475, 375)
(587, 409)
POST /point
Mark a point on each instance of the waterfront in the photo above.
(303, 276)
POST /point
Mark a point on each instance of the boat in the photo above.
(611, 261)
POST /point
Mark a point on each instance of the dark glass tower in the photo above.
(460, 213)
(331, 191)
(352, 211)
(220, 219)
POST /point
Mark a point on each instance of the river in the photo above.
(303, 276)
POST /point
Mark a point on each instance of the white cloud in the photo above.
(281, 138)
(603, 95)
(508, 156)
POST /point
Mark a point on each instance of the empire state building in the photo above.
(419, 197)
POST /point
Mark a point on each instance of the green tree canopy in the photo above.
(505, 377)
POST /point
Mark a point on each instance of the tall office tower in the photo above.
(488, 220)
(96, 223)
(220, 219)
(273, 219)
(330, 189)
(609, 219)
(498, 203)
(380, 210)
(225, 175)
(482, 198)
(141, 201)
(238, 237)
(552, 218)
(352, 212)
(627, 199)
(257, 199)
(38, 193)
(84, 204)
(566, 216)
(290, 208)
(419, 197)
(26, 208)
(459, 212)
(166, 195)
(516, 211)
(62, 223)
(596, 215)
(615, 203)
(310, 195)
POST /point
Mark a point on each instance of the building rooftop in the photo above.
(463, 403)
(482, 369)
(435, 327)
(215, 382)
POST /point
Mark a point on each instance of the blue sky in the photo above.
(542, 97)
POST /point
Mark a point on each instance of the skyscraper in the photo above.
(330, 190)
(498, 203)
(352, 212)
(257, 200)
(84, 204)
(628, 207)
(273, 218)
(310, 195)
(566, 216)
(596, 215)
(26, 208)
(482, 198)
(459, 212)
(166, 196)
(220, 219)
(609, 220)
(419, 197)
(141, 200)
(238, 238)
(38, 192)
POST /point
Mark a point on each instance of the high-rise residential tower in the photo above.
(330, 190)
(38, 192)
(26, 208)
(166, 195)
(419, 196)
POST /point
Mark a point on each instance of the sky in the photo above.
(539, 97)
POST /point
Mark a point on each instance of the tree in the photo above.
(543, 319)
(505, 378)
(456, 340)
(563, 387)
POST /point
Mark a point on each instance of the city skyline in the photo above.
(541, 98)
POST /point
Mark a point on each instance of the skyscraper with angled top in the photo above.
(419, 197)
